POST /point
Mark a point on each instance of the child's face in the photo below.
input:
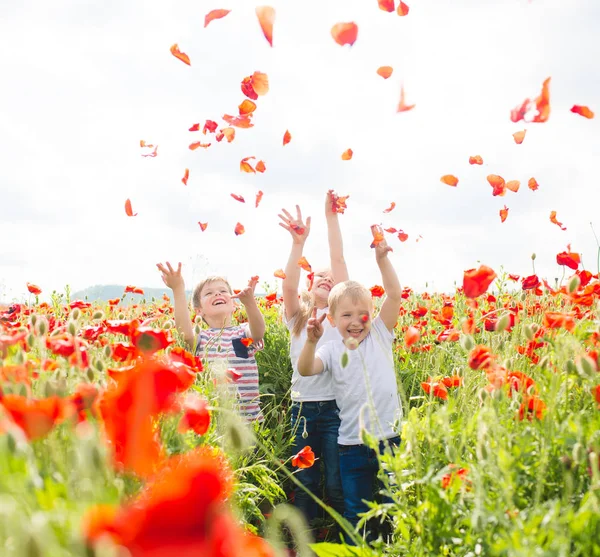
(322, 284)
(215, 302)
(353, 318)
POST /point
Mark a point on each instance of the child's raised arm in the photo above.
(391, 284)
(256, 321)
(307, 363)
(299, 232)
(175, 282)
(339, 270)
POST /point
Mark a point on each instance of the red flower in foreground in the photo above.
(148, 340)
(411, 336)
(304, 459)
(477, 281)
(557, 320)
(377, 291)
(195, 415)
(596, 393)
(180, 512)
(36, 417)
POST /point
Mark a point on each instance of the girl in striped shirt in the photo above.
(225, 345)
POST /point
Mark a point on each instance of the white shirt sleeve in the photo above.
(380, 328)
(324, 354)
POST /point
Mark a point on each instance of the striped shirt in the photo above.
(224, 348)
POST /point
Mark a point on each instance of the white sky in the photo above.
(84, 81)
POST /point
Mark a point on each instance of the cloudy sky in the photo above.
(85, 80)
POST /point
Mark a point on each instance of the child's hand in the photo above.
(171, 278)
(314, 327)
(295, 226)
(247, 294)
(381, 250)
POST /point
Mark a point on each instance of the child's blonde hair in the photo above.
(197, 295)
(350, 288)
(307, 304)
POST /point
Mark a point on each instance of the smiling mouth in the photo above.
(219, 303)
(355, 334)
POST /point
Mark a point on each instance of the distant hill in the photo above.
(105, 292)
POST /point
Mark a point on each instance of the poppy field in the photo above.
(114, 436)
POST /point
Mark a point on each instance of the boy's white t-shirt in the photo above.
(370, 370)
(317, 387)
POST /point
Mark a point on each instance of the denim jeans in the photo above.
(359, 467)
(322, 422)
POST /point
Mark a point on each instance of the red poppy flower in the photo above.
(377, 291)
(557, 320)
(304, 459)
(33, 289)
(411, 336)
(435, 388)
(477, 281)
(481, 357)
(530, 283)
(148, 340)
(452, 381)
(36, 417)
(569, 259)
(448, 479)
(195, 415)
(532, 406)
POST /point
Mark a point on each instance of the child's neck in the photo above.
(320, 303)
(218, 322)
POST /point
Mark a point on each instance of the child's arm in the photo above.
(339, 270)
(175, 282)
(299, 232)
(391, 284)
(307, 363)
(256, 320)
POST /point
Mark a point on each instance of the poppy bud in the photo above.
(32, 547)
(528, 331)
(533, 256)
(20, 357)
(61, 387)
(49, 389)
(543, 363)
(33, 320)
(585, 366)
(55, 333)
(107, 351)
(168, 325)
(573, 284)
(30, 340)
(467, 343)
(121, 315)
(503, 322)
(41, 326)
(96, 458)
(535, 327)
(304, 432)
(567, 462)
(198, 320)
(344, 359)
(197, 330)
(571, 368)
(98, 315)
(71, 327)
(99, 365)
(594, 466)
(75, 314)
(578, 453)
(11, 443)
(351, 343)
(482, 451)
(90, 374)
(21, 389)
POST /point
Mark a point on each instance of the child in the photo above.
(314, 410)
(222, 341)
(364, 377)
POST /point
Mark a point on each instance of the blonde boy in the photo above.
(364, 378)
(222, 342)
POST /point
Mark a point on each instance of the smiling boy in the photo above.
(364, 378)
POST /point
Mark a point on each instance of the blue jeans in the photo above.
(359, 467)
(322, 422)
